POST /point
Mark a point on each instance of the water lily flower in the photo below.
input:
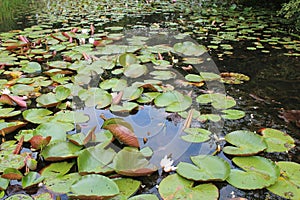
(166, 163)
(91, 40)
(5, 91)
(84, 31)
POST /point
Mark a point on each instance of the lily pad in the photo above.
(127, 59)
(247, 143)
(258, 173)
(56, 169)
(205, 168)
(217, 100)
(8, 112)
(95, 97)
(3, 183)
(233, 78)
(32, 67)
(127, 187)
(196, 135)
(135, 70)
(131, 162)
(287, 184)
(173, 101)
(277, 141)
(114, 83)
(94, 187)
(95, 160)
(144, 197)
(61, 184)
(189, 48)
(37, 116)
(54, 130)
(31, 179)
(163, 75)
(19, 197)
(60, 151)
(177, 187)
(125, 107)
(194, 78)
(232, 114)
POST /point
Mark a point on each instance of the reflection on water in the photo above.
(162, 136)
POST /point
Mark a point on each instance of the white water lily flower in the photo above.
(91, 40)
(84, 31)
(5, 91)
(82, 40)
(166, 163)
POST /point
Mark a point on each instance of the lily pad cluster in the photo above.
(52, 71)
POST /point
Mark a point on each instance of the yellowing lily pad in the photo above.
(277, 141)
(287, 184)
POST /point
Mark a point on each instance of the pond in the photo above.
(147, 100)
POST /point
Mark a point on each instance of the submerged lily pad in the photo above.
(258, 173)
(176, 187)
(277, 141)
(246, 142)
(287, 184)
(94, 187)
(205, 168)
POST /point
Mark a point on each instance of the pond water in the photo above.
(230, 35)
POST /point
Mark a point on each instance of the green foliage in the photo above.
(291, 10)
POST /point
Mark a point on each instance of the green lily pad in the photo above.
(189, 48)
(127, 59)
(232, 114)
(32, 67)
(193, 78)
(56, 169)
(56, 131)
(67, 116)
(277, 141)
(217, 100)
(125, 107)
(94, 187)
(19, 197)
(135, 70)
(173, 101)
(247, 143)
(60, 151)
(11, 161)
(61, 184)
(131, 162)
(127, 187)
(58, 64)
(147, 97)
(258, 173)
(287, 184)
(132, 93)
(95, 97)
(209, 76)
(31, 179)
(196, 135)
(211, 117)
(176, 187)
(114, 84)
(95, 160)
(8, 112)
(163, 75)
(37, 116)
(3, 183)
(144, 197)
(205, 168)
